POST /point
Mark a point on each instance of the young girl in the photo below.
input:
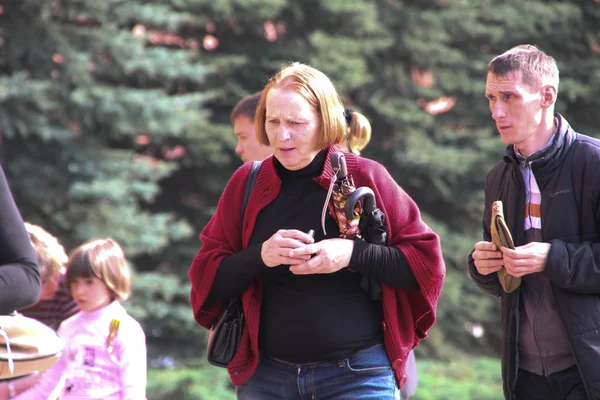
(105, 353)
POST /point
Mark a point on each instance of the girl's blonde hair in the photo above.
(359, 131)
(50, 254)
(318, 90)
(104, 259)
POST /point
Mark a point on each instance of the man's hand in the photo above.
(276, 250)
(330, 255)
(527, 259)
(487, 258)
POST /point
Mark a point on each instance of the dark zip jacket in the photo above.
(568, 175)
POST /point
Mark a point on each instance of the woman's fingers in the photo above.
(276, 250)
(327, 256)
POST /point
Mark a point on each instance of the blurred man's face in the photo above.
(248, 147)
(49, 288)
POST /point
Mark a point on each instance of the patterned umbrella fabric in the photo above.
(356, 213)
(341, 187)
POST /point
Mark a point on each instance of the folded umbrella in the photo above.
(356, 213)
(340, 188)
(372, 220)
(372, 228)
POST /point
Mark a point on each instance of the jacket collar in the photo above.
(548, 159)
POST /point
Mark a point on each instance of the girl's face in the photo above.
(90, 293)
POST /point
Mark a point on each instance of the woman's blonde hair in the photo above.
(318, 90)
(50, 254)
(359, 131)
(104, 259)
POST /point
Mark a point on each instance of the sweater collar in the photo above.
(328, 174)
(312, 170)
(268, 179)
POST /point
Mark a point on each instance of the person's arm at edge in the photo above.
(19, 385)
(420, 246)
(235, 273)
(40, 387)
(385, 263)
(20, 283)
(576, 266)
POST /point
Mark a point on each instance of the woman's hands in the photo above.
(328, 256)
(299, 250)
(276, 250)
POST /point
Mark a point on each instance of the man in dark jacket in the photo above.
(549, 186)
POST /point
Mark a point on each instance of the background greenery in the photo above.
(114, 121)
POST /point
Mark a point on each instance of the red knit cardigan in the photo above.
(408, 314)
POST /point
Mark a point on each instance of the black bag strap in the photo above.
(250, 185)
(236, 301)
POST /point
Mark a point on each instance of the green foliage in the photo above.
(200, 383)
(463, 378)
(97, 106)
(160, 300)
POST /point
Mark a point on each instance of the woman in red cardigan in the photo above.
(311, 331)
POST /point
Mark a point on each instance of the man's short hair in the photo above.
(50, 253)
(246, 107)
(536, 67)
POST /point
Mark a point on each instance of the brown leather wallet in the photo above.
(501, 237)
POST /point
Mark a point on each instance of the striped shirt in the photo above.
(543, 342)
(55, 310)
(533, 200)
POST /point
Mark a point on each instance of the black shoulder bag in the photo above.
(225, 334)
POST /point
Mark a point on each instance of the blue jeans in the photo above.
(366, 375)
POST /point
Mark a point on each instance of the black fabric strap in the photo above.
(250, 185)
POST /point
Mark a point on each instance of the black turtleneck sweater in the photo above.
(319, 317)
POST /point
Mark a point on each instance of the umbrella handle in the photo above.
(338, 163)
(368, 198)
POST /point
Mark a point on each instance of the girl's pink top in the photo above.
(86, 366)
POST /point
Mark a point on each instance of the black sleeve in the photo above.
(488, 283)
(19, 274)
(235, 273)
(385, 263)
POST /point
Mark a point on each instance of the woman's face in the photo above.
(293, 127)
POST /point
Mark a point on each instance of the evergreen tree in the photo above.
(100, 105)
